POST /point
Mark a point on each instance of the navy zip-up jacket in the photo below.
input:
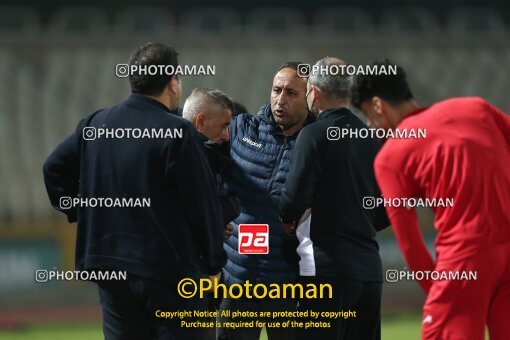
(261, 157)
(181, 230)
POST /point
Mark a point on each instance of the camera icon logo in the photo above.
(66, 202)
(369, 202)
(89, 133)
(122, 70)
(41, 275)
(333, 133)
(392, 275)
(303, 70)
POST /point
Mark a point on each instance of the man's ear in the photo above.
(378, 105)
(173, 85)
(316, 92)
(200, 120)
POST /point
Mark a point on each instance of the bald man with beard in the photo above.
(261, 148)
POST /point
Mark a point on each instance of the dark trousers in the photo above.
(256, 305)
(129, 309)
(363, 298)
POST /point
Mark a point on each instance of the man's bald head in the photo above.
(288, 98)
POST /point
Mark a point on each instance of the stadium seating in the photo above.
(79, 22)
(207, 23)
(409, 22)
(19, 23)
(475, 23)
(275, 23)
(56, 74)
(144, 21)
(338, 21)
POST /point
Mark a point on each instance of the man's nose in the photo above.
(225, 136)
(281, 99)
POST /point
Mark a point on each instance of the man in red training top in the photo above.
(464, 157)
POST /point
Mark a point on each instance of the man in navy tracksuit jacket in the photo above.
(261, 148)
(175, 236)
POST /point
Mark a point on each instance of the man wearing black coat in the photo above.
(329, 177)
(140, 149)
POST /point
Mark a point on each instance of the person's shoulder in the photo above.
(382, 158)
(312, 129)
(98, 113)
(318, 128)
(457, 105)
(179, 121)
(474, 100)
(169, 119)
(181, 130)
(314, 133)
(244, 121)
(238, 124)
(260, 117)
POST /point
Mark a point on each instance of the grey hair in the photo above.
(332, 84)
(205, 100)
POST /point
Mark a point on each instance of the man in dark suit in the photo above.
(328, 178)
(140, 150)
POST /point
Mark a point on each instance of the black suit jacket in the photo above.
(331, 177)
(180, 232)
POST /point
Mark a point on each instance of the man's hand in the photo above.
(229, 231)
(290, 228)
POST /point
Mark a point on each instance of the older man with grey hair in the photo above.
(321, 204)
(210, 111)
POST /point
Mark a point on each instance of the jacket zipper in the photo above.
(275, 171)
